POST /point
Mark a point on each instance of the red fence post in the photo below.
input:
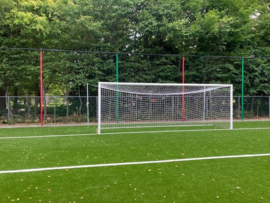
(183, 89)
(41, 90)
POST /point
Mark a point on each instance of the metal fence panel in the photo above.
(237, 107)
(23, 109)
(3, 110)
(256, 107)
(73, 109)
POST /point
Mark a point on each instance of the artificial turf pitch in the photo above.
(218, 180)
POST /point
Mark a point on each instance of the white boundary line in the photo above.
(140, 132)
(131, 163)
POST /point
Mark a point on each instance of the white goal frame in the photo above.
(118, 84)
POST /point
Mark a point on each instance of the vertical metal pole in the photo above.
(97, 105)
(183, 89)
(87, 104)
(204, 104)
(207, 107)
(41, 90)
(54, 109)
(99, 108)
(136, 108)
(117, 94)
(231, 107)
(117, 76)
(242, 105)
(8, 109)
(210, 106)
(269, 105)
(239, 106)
(172, 107)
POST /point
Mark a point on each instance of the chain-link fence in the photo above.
(55, 109)
(254, 107)
(73, 109)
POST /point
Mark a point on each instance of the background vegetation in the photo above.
(190, 27)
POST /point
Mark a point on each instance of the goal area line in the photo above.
(121, 133)
(132, 163)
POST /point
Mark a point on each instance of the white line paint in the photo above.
(44, 136)
(132, 163)
(141, 132)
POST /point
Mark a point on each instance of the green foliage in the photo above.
(195, 27)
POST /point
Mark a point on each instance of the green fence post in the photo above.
(8, 121)
(87, 104)
(242, 102)
(54, 113)
(117, 96)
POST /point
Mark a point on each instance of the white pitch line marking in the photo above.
(119, 133)
(44, 136)
(132, 163)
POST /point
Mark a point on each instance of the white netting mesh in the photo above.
(124, 105)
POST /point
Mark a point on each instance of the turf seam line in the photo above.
(131, 163)
(119, 133)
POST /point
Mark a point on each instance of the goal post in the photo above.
(139, 105)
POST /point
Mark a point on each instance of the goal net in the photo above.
(138, 105)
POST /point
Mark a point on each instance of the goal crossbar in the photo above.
(165, 84)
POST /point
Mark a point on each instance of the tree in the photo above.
(193, 27)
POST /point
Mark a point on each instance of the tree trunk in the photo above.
(2, 101)
(15, 105)
(8, 101)
(36, 99)
(80, 108)
(258, 107)
(251, 108)
(27, 102)
(66, 93)
(44, 106)
(179, 67)
(67, 106)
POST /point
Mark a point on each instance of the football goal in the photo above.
(140, 105)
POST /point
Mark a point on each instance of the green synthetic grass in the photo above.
(223, 180)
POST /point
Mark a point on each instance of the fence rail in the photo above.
(74, 109)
